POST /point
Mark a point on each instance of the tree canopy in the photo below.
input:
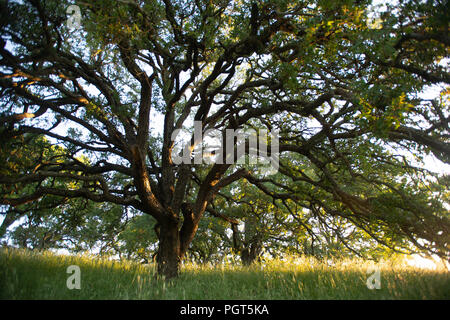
(93, 110)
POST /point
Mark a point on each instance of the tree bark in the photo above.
(168, 258)
(249, 250)
(251, 253)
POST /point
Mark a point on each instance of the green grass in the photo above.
(31, 275)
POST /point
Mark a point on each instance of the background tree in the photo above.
(343, 92)
(18, 158)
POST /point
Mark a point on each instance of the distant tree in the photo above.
(338, 81)
(18, 158)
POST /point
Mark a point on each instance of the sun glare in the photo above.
(426, 263)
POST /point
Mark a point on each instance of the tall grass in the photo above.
(32, 275)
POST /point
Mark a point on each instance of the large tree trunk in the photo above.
(251, 253)
(168, 258)
(249, 249)
(173, 241)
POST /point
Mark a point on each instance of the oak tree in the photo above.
(340, 81)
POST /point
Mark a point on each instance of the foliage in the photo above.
(342, 82)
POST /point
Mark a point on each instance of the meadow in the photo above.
(43, 275)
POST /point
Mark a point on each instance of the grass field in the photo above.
(31, 275)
